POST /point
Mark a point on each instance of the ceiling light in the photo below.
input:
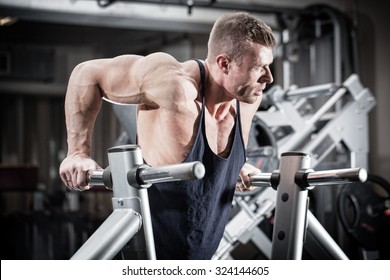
(7, 20)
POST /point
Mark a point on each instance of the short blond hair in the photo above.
(232, 33)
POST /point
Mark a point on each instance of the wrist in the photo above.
(78, 154)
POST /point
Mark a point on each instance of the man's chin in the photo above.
(249, 99)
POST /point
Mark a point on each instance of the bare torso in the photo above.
(169, 105)
(174, 131)
(168, 95)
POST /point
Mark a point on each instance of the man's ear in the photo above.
(223, 62)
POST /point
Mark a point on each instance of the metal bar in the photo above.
(111, 236)
(337, 45)
(95, 178)
(291, 208)
(309, 126)
(173, 172)
(131, 204)
(260, 179)
(322, 241)
(311, 91)
(331, 102)
(222, 5)
(336, 176)
(125, 160)
(318, 178)
(150, 175)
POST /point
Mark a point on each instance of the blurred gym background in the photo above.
(319, 43)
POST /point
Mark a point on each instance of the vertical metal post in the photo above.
(123, 160)
(291, 209)
(286, 63)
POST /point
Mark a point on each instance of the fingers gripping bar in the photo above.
(144, 175)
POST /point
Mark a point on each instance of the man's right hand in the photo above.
(74, 169)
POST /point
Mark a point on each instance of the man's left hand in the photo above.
(245, 184)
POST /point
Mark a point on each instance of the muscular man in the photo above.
(186, 111)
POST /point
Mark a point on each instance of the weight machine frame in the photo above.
(129, 202)
(129, 179)
(345, 114)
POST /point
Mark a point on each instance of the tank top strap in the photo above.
(203, 80)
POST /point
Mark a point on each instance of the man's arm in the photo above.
(88, 83)
(82, 104)
(127, 79)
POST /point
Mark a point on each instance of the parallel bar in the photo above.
(95, 178)
(337, 176)
(150, 175)
(174, 172)
(260, 179)
(318, 178)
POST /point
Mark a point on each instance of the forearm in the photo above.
(82, 104)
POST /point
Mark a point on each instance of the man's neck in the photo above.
(218, 103)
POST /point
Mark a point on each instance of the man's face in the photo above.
(248, 79)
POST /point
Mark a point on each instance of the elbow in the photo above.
(81, 70)
(84, 74)
(83, 82)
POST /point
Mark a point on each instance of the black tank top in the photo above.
(189, 217)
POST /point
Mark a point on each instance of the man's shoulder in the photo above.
(161, 58)
(159, 63)
(165, 60)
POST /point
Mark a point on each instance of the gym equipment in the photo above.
(129, 179)
(340, 117)
(292, 182)
(292, 216)
(262, 150)
(328, 121)
(362, 209)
